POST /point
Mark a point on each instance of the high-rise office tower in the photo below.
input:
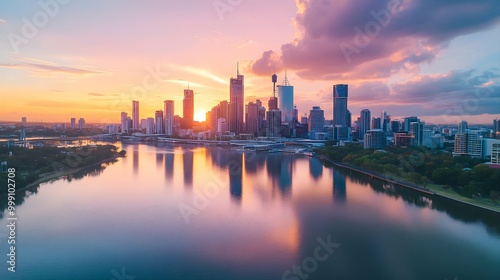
(285, 100)
(188, 109)
(408, 121)
(252, 118)
(384, 121)
(73, 123)
(124, 122)
(340, 94)
(460, 143)
(236, 106)
(395, 126)
(135, 115)
(364, 123)
(496, 128)
(417, 130)
(273, 123)
(374, 139)
(159, 125)
(169, 116)
(149, 125)
(224, 109)
(262, 119)
(462, 127)
(81, 123)
(376, 123)
(348, 117)
(23, 121)
(316, 120)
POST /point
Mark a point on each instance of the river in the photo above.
(188, 212)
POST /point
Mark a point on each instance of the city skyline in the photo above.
(57, 73)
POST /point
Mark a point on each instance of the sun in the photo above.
(199, 116)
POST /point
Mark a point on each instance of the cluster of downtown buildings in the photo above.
(235, 120)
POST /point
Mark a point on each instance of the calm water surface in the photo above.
(186, 212)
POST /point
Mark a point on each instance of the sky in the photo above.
(439, 60)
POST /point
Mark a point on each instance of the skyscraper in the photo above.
(316, 121)
(374, 139)
(273, 123)
(169, 116)
(159, 122)
(188, 109)
(462, 127)
(135, 115)
(149, 125)
(81, 123)
(73, 123)
(496, 128)
(408, 121)
(364, 123)
(417, 130)
(124, 122)
(376, 123)
(285, 100)
(395, 126)
(236, 106)
(340, 93)
(252, 118)
(224, 109)
(384, 121)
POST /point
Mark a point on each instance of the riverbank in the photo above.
(42, 164)
(431, 189)
(46, 177)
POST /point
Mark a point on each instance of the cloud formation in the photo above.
(457, 93)
(365, 39)
(52, 69)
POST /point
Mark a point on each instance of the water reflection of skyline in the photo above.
(339, 186)
(169, 166)
(279, 169)
(187, 160)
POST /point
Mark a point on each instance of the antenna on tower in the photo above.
(238, 68)
(274, 79)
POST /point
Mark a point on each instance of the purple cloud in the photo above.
(364, 39)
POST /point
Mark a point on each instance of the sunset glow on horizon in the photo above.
(435, 60)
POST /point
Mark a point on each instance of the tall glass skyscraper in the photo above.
(340, 105)
(169, 117)
(135, 115)
(236, 106)
(188, 109)
(364, 123)
(285, 100)
(316, 120)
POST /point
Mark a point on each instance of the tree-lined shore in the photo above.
(40, 164)
(460, 178)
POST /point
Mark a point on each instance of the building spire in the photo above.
(285, 80)
(238, 68)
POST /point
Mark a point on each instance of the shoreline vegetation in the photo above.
(461, 179)
(43, 164)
